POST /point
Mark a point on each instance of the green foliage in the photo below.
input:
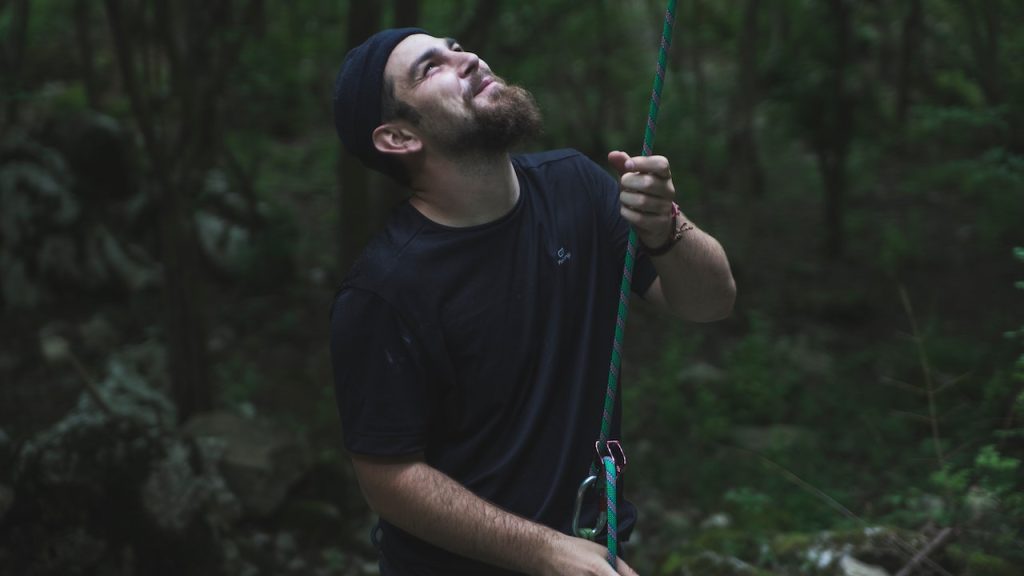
(996, 472)
(751, 508)
(239, 382)
(984, 495)
(977, 562)
(900, 243)
(764, 373)
(797, 405)
(961, 127)
(986, 181)
(981, 490)
(270, 256)
(35, 196)
(957, 84)
(295, 54)
(334, 560)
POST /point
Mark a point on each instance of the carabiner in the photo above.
(587, 533)
(612, 448)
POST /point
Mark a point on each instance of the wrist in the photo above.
(549, 552)
(677, 226)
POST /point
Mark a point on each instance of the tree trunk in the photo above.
(363, 21)
(184, 305)
(746, 175)
(407, 13)
(171, 155)
(912, 25)
(14, 57)
(598, 71)
(836, 131)
(353, 192)
(475, 32)
(83, 38)
(832, 166)
(984, 39)
(700, 114)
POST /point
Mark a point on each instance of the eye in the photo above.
(428, 67)
(457, 48)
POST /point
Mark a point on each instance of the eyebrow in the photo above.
(429, 55)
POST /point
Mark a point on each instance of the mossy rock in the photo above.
(728, 542)
(821, 553)
(725, 540)
(724, 551)
(709, 563)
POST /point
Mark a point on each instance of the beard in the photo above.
(510, 117)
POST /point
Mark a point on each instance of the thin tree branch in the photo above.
(902, 546)
(913, 415)
(953, 382)
(886, 380)
(90, 385)
(926, 370)
(925, 552)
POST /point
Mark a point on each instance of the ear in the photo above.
(396, 138)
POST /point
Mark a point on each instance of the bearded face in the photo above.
(454, 102)
(507, 116)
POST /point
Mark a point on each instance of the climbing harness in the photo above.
(610, 457)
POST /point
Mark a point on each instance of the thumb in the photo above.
(618, 159)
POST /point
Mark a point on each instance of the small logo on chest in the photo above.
(563, 256)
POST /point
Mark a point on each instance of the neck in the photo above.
(466, 191)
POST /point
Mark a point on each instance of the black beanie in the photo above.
(357, 96)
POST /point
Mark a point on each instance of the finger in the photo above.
(646, 225)
(645, 203)
(648, 184)
(651, 230)
(657, 165)
(617, 159)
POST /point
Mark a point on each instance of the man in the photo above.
(471, 341)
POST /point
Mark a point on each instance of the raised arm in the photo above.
(694, 278)
(425, 502)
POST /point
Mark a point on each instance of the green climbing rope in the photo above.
(610, 471)
(627, 269)
(624, 292)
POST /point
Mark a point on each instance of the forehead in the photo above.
(406, 53)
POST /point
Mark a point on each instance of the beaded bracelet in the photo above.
(678, 227)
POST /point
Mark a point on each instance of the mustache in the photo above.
(477, 81)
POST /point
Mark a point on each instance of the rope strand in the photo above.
(625, 289)
(627, 269)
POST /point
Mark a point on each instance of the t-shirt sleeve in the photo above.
(617, 227)
(379, 384)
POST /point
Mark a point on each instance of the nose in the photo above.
(468, 62)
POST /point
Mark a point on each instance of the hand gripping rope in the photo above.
(610, 456)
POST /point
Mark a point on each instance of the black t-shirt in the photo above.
(487, 348)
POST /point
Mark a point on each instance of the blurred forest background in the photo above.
(175, 214)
